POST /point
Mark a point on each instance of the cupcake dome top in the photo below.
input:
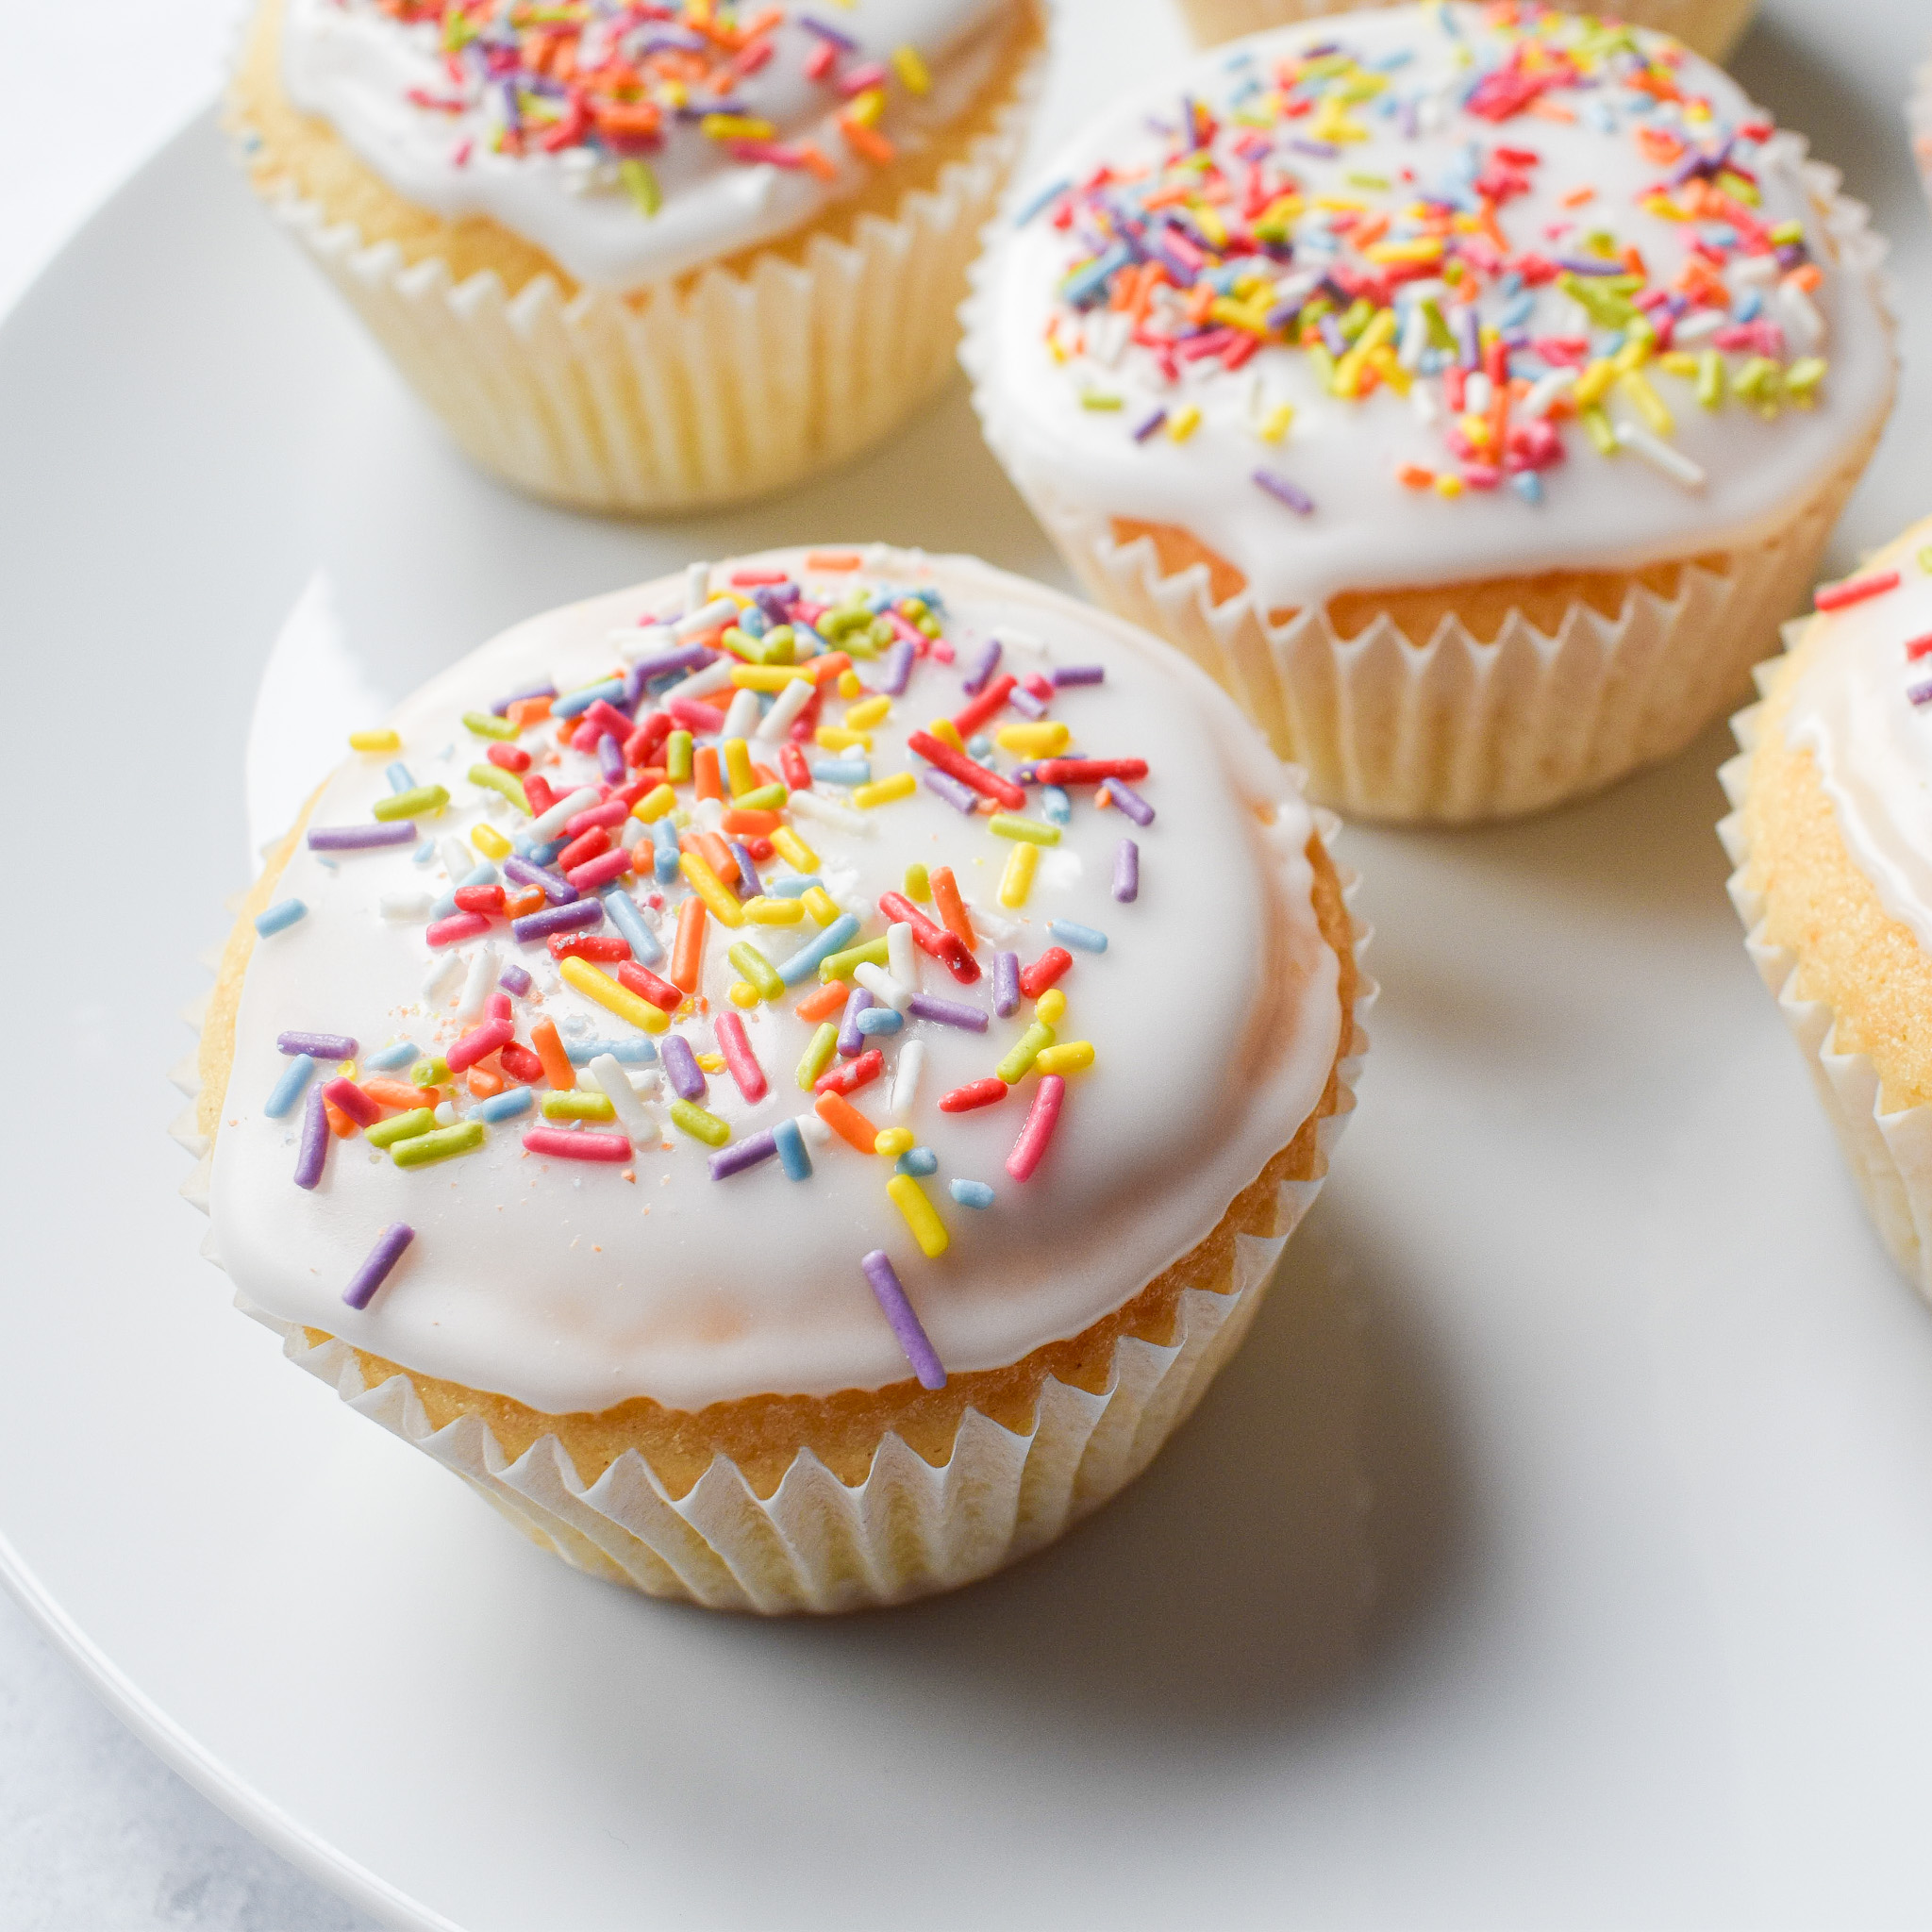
(1433, 295)
(1863, 706)
(579, 922)
(629, 142)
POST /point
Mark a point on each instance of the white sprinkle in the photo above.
(906, 1077)
(633, 833)
(1478, 392)
(1544, 392)
(609, 1073)
(1698, 328)
(456, 860)
(1661, 456)
(1012, 640)
(547, 825)
(740, 715)
(437, 980)
(697, 586)
(884, 987)
(445, 1114)
(721, 610)
(1415, 339)
(480, 983)
(785, 710)
(643, 641)
(713, 676)
(1424, 399)
(1799, 314)
(902, 956)
(808, 805)
(813, 1128)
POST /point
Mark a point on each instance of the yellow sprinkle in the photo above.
(794, 850)
(711, 1062)
(892, 1142)
(375, 740)
(766, 677)
(742, 993)
(900, 785)
(1650, 406)
(738, 772)
(911, 70)
(654, 805)
(1051, 1006)
(834, 738)
(849, 686)
(1448, 484)
(1017, 880)
(818, 902)
(947, 733)
(863, 717)
(579, 1105)
(928, 1230)
(1183, 423)
(711, 888)
(489, 842)
(1006, 825)
(1593, 385)
(737, 127)
(918, 886)
(1044, 740)
(767, 910)
(617, 999)
(1069, 1059)
(1275, 425)
(867, 108)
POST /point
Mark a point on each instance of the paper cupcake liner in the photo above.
(1889, 1153)
(1459, 730)
(1712, 28)
(817, 1544)
(720, 386)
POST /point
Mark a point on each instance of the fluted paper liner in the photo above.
(1713, 27)
(721, 385)
(910, 1529)
(1889, 1153)
(1458, 730)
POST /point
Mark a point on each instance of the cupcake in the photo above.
(1713, 27)
(693, 1073)
(645, 259)
(1832, 839)
(1471, 390)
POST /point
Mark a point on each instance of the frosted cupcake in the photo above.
(645, 259)
(1712, 28)
(691, 1074)
(1833, 843)
(1472, 391)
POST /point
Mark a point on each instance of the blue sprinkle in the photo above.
(970, 1194)
(664, 856)
(284, 913)
(1055, 806)
(503, 1106)
(635, 1052)
(443, 908)
(881, 1020)
(848, 771)
(1082, 936)
(288, 1089)
(918, 1161)
(792, 1155)
(1528, 485)
(484, 874)
(574, 703)
(795, 888)
(424, 852)
(398, 776)
(398, 1053)
(979, 745)
(1050, 191)
(623, 913)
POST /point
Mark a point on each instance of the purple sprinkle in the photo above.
(686, 657)
(555, 919)
(681, 1067)
(896, 669)
(1577, 265)
(986, 660)
(384, 1256)
(1131, 802)
(851, 1040)
(320, 1047)
(556, 889)
(947, 1012)
(1025, 774)
(1127, 872)
(1278, 487)
(1025, 703)
(744, 1154)
(313, 1149)
(610, 760)
(1469, 338)
(1148, 424)
(1921, 694)
(515, 980)
(361, 838)
(546, 690)
(1332, 337)
(814, 25)
(1317, 150)
(1006, 983)
(775, 599)
(958, 796)
(898, 1312)
(749, 885)
(1080, 674)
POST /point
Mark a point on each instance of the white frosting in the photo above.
(357, 68)
(1368, 530)
(1214, 1013)
(1871, 745)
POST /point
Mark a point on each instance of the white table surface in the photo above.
(95, 1832)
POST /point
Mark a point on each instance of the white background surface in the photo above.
(1644, 1508)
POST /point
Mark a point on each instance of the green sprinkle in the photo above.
(1787, 234)
(1096, 399)
(818, 1054)
(740, 644)
(678, 756)
(495, 778)
(430, 1072)
(641, 186)
(844, 965)
(425, 799)
(1375, 181)
(764, 798)
(419, 1149)
(1440, 335)
(1803, 377)
(757, 968)
(1711, 380)
(695, 1122)
(1006, 825)
(579, 1105)
(778, 645)
(1597, 425)
(1031, 1045)
(488, 725)
(400, 1126)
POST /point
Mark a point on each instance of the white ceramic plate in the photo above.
(1559, 1551)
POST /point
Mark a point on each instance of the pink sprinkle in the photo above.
(457, 927)
(571, 1146)
(600, 870)
(350, 1099)
(739, 1057)
(1855, 590)
(478, 1043)
(1037, 1132)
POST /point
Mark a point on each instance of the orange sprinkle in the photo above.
(1413, 476)
(483, 1083)
(687, 948)
(524, 904)
(847, 1121)
(556, 1067)
(824, 1001)
(340, 1124)
(953, 913)
(527, 711)
(832, 560)
(862, 140)
(753, 824)
(1577, 196)
(817, 162)
(400, 1094)
(717, 855)
(1806, 278)
(704, 772)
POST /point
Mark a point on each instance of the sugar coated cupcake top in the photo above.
(763, 981)
(1863, 706)
(1434, 295)
(632, 142)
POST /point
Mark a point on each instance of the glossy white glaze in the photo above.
(1214, 1012)
(356, 68)
(1368, 531)
(1871, 745)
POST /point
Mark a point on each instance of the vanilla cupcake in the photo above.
(1832, 839)
(1713, 27)
(1472, 391)
(789, 1081)
(645, 259)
